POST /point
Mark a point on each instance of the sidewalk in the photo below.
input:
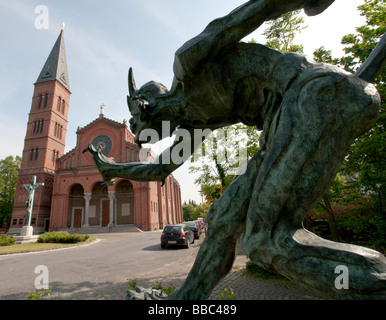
(244, 287)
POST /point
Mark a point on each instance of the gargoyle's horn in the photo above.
(132, 86)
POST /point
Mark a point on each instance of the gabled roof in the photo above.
(55, 67)
(101, 118)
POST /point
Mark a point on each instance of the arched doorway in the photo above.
(75, 206)
(125, 203)
(99, 206)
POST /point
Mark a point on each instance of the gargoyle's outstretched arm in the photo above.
(158, 170)
(230, 29)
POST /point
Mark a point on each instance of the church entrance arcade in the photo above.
(102, 207)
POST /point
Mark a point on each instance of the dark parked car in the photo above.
(177, 234)
(195, 228)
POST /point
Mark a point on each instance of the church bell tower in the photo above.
(45, 138)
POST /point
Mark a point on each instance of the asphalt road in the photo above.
(107, 263)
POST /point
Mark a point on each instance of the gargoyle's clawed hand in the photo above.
(103, 164)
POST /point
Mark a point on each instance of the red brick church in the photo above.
(74, 197)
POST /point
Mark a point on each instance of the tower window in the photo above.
(40, 101)
(34, 128)
(34, 154)
(63, 105)
(59, 103)
(58, 130)
(46, 101)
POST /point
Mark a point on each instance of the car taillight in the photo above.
(163, 234)
(194, 230)
(182, 234)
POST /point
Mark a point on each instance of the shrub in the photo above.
(363, 228)
(168, 291)
(62, 237)
(7, 241)
(227, 294)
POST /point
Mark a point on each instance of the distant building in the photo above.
(74, 197)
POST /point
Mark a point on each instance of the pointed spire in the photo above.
(55, 67)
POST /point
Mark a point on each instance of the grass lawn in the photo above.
(31, 247)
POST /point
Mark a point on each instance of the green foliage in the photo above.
(282, 31)
(169, 290)
(366, 159)
(360, 45)
(227, 294)
(364, 166)
(132, 283)
(363, 228)
(322, 55)
(217, 172)
(39, 294)
(8, 181)
(7, 241)
(192, 211)
(62, 237)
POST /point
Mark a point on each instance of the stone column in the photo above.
(111, 210)
(87, 198)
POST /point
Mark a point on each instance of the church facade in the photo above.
(74, 196)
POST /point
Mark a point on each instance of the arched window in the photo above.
(34, 128)
(63, 106)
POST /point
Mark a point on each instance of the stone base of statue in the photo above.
(141, 293)
(26, 236)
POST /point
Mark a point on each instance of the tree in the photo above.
(367, 157)
(282, 31)
(8, 181)
(224, 153)
(322, 55)
(192, 211)
(365, 162)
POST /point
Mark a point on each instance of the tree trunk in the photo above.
(331, 218)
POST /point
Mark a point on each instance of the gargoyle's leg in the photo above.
(320, 117)
(226, 219)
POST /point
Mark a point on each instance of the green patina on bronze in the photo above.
(310, 114)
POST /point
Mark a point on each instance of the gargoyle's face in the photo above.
(142, 105)
(149, 106)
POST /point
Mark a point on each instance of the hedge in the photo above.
(7, 241)
(62, 237)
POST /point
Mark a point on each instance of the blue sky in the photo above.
(104, 38)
